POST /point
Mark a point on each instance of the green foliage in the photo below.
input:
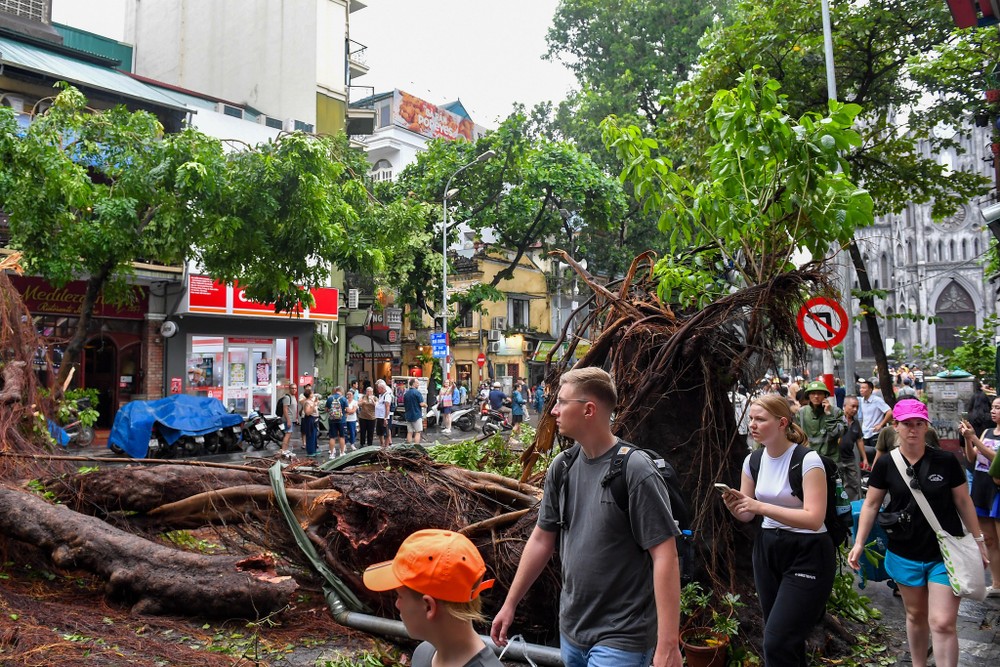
(383, 656)
(774, 185)
(698, 609)
(66, 408)
(185, 540)
(491, 455)
(517, 195)
(977, 353)
(36, 486)
(902, 61)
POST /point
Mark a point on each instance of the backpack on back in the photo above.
(615, 480)
(335, 408)
(835, 525)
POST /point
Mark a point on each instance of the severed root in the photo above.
(235, 505)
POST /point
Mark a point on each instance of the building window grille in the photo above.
(518, 313)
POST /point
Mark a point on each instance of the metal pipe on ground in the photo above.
(541, 655)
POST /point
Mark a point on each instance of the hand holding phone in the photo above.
(722, 488)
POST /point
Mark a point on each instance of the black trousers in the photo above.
(794, 575)
(367, 431)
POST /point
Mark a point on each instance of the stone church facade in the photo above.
(930, 267)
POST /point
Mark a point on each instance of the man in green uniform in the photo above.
(822, 421)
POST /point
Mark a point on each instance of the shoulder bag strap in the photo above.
(918, 494)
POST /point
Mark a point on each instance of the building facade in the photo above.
(930, 268)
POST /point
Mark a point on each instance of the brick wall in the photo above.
(153, 350)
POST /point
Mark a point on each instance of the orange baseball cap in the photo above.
(440, 563)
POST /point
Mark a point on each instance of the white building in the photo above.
(930, 268)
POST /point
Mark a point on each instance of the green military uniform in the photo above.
(824, 430)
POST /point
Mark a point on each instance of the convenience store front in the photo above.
(239, 351)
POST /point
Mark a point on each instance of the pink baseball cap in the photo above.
(910, 408)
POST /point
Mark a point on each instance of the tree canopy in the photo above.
(774, 184)
(536, 193)
(88, 193)
(902, 62)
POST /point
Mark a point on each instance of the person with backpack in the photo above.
(794, 559)
(336, 410)
(913, 558)
(308, 409)
(620, 600)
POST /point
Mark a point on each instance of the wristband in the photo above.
(980, 538)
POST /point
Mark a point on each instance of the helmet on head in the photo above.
(817, 385)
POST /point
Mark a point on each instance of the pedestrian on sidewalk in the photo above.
(414, 404)
(621, 587)
(288, 410)
(366, 416)
(437, 576)
(308, 409)
(913, 559)
(351, 420)
(981, 450)
(794, 559)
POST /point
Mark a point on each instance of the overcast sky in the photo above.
(488, 53)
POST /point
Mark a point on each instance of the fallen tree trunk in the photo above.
(152, 578)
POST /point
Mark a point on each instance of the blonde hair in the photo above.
(596, 383)
(777, 407)
(471, 611)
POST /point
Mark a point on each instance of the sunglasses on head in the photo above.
(914, 482)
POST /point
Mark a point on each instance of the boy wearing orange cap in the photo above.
(437, 576)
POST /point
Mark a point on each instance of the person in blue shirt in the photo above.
(413, 405)
(539, 398)
(517, 407)
(336, 411)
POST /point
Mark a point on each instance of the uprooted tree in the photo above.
(677, 334)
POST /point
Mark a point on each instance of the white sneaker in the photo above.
(992, 592)
(447, 431)
(287, 453)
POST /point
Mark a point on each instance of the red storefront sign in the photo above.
(41, 298)
(215, 298)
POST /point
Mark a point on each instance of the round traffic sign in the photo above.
(823, 322)
(481, 360)
(392, 336)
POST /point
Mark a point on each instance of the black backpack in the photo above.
(835, 525)
(619, 491)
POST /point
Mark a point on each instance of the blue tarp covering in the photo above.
(175, 416)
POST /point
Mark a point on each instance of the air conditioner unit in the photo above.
(495, 347)
(229, 110)
(352, 298)
(529, 346)
(493, 334)
(499, 323)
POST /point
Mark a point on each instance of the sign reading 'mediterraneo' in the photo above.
(41, 298)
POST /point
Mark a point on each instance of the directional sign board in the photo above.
(439, 351)
(823, 322)
(439, 338)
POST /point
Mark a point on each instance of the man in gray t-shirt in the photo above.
(620, 582)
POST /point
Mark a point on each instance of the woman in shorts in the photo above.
(913, 558)
(980, 451)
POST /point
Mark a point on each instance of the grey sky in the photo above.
(488, 53)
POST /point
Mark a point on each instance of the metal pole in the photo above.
(831, 80)
(444, 252)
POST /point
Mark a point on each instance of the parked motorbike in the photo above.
(260, 429)
(495, 421)
(464, 418)
(78, 433)
(179, 425)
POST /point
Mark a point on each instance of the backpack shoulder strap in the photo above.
(795, 470)
(615, 476)
(755, 458)
(564, 461)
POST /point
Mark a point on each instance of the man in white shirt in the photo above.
(383, 411)
(875, 412)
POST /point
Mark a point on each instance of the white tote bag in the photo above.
(960, 554)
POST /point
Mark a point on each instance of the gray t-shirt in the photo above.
(425, 652)
(607, 572)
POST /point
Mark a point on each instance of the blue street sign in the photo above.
(439, 351)
(439, 339)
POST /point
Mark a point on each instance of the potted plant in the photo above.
(707, 629)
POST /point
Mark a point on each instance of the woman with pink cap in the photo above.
(913, 558)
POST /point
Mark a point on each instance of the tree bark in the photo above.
(868, 303)
(95, 284)
(152, 578)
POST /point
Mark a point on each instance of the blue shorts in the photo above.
(915, 573)
(601, 656)
(994, 510)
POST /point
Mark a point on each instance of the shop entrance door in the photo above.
(249, 378)
(100, 371)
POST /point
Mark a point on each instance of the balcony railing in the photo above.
(357, 53)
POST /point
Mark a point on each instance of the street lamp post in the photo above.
(448, 193)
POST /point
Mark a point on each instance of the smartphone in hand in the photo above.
(722, 488)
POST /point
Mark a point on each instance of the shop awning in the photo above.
(545, 346)
(79, 72)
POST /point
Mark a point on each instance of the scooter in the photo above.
(464, 418)
(495, 421)
(259, 429)
(79, 434)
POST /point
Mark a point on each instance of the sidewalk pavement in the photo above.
(978, 628)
